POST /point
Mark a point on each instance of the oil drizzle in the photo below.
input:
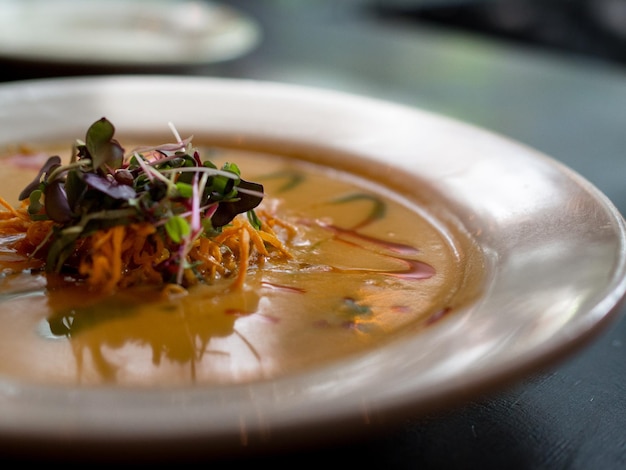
(415, 269)
(344, 233)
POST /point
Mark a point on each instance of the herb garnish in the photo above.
(168, 186)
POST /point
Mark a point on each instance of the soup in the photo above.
(368, 266)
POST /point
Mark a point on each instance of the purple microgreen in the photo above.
(195, 204)
(164, 148)
(109, 186)
(175, 132)
(51, 164)
(210, 210)
(228, 210)
(57, 207)
(196, 157)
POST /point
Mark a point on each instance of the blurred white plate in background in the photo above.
(124, 32)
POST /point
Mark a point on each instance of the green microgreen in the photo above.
(177, 228)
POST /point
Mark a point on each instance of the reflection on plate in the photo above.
(124, 33)
(553, 249)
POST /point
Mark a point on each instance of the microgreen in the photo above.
(177, 228)
(169, 186)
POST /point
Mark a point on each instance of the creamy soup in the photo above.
(369, 266)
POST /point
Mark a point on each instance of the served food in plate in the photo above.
(162, 265)
(154, 216)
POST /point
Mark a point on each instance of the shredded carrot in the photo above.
(10, 211)
(128, 255)
(244, 256)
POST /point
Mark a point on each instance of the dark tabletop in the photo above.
(566, 103)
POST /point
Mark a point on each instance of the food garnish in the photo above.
(156, 215)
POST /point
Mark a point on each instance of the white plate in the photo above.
(554, 248)
(124, 32)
